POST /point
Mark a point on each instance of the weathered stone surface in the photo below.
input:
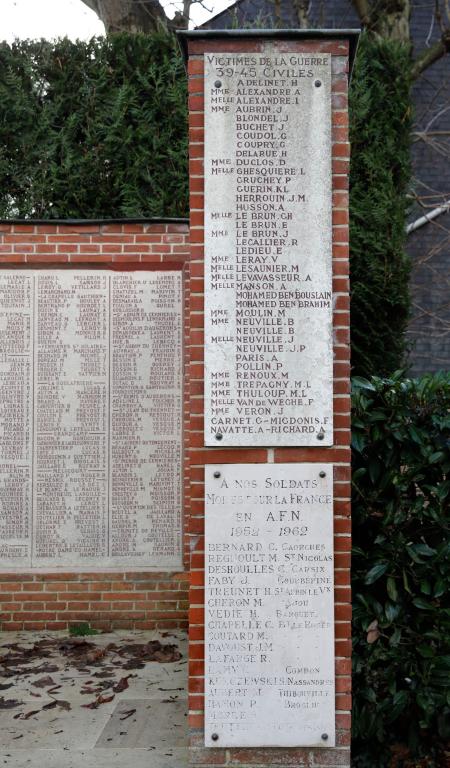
(90, 419)
(268, 301)
(269, 620)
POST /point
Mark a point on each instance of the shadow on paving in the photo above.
(106, 701)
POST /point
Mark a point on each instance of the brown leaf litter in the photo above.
(22, 662)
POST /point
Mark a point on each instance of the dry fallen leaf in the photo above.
(9, 703)
(27, 715)
(122, 685)
(373, 633)
(99, 700)
(44, 682)
(50, 705)
(127, 713)
(65, 705)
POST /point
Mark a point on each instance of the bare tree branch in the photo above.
(430, 55)
(362, 8)
(302, 9)
(186, 9)
(422, 220)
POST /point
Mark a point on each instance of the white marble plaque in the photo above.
(90, 419)
(269, 604)
(268, 278)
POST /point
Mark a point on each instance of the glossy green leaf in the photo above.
(423, 604)
(391, 588)
(376, 572)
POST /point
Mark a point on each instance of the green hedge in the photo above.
(401, 569)
(93, 129)
(98, 129)
(380, 120)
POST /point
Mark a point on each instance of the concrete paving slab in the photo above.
(112, 734)
(153, 724)
(99, 758)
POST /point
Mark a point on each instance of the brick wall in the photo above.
(114, 599)
(339, 454)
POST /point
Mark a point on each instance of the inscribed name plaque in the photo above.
(268, 276)
(269, 621)
(90, 419)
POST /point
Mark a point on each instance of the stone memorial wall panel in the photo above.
(268, 278)
(90, 419)
(269, 605)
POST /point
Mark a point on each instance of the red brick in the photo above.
(343, 612)
(205, 757)
(330, 757)
(197, 632)
(195, 66)
(196, 685)
(196, 103)
(226, 455)
(197, 651)
(53, 605)
(339, 101)
(9, 586)
(196, 134)
(12, 259)
(343, 702)
(30, 238)
(195, 169)
(294, 758)
(342, 526)
(196, 119)
(339, 133)
(340, 182)
(198, 46)
(340, 217)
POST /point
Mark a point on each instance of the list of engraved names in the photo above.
(268, 301)
(90, 419)
(269, 605)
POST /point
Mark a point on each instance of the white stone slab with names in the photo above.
(90, 419)
(269, 621)
(268, 277)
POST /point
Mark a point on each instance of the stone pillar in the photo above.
(335, 49)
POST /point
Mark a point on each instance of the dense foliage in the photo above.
(98, 129)
(401, 571)
(93, 129)
(380, 120)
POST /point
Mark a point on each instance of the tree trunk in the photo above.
(387, 18)
(128, 15)
(301, 8)
(392, 20)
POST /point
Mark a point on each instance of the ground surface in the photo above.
(67, 704)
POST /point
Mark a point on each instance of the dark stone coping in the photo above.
(81, 222)
(352, 35)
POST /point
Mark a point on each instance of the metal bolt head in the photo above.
(215, 736)
(320, 435)
(317, 83)
(217, 474)
(324, 737)
(322, 474)
(219, 436)
(218, 84)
